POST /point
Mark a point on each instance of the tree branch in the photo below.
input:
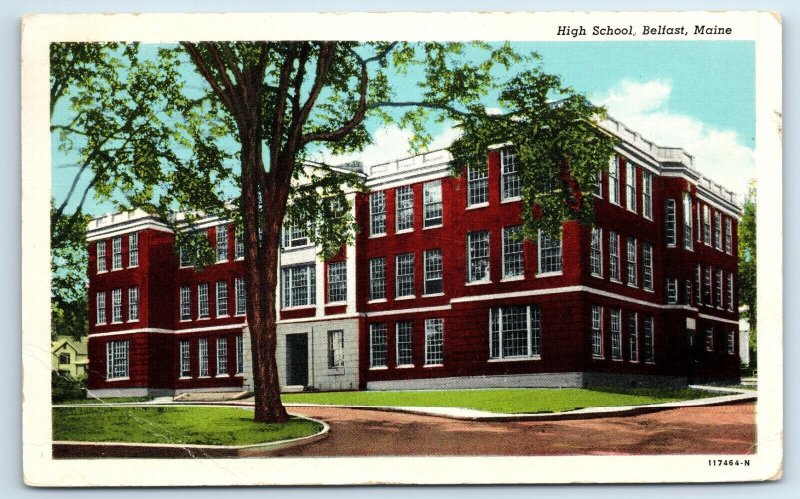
(299, 119)
(278, 117)
(201, 66)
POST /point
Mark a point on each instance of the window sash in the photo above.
(377, 213)
(186, 303)
(222, 298)
(432, 199)
(433, 272)
(241, 296)
(116, 305)
(731, 342)
(133, 304)
(238, 244)
(597, 331)
(377, 345)
(477, 186)
(202, 301)
(116, 253)
(404, 207)
(687, 222)
(239, 355)
(613, 257)
(549, 254)
(630, 186)
(335, 349)
(613, 180)
(616, 334)
(730, 291)
(631, 259)
(202, 356)
(404, 275)
(434, 341)
(133, 249)
(698, 293)
(101, 307)
(706, 225)
(295, 234)
(728, 236)
(222, 356)
(478, 256)
(649, 340)
(647, 263)
(672, 291)
(718, 294)
(709, 339)
(633, 337)
(117, 359)
(596, 252)
(669, 222)
(514, 332)
(510, 185)
(404, 331)
(337, 282)
(222, 243)
(647, 194)
(299, 286)
(377, 274)
(101, 256)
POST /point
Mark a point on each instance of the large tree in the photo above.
(747, 263)
(265, 107)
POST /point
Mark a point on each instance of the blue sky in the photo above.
(695, 95)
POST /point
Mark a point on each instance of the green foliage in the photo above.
(68, 262)
(65, 387)
(747, 263)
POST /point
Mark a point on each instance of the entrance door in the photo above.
(297, 359)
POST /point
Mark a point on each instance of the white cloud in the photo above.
(643, 107)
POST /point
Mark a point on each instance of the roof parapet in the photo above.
(430, 158)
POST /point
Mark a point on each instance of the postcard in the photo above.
(401, 248)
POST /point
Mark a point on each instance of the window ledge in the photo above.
(379, 368)
(550, 274)
(204, 377)
(598, 357)
(433, 227)
(126, 378)
(132, 321)
(649, 290)
(378, 300)
(239, 315)
(204, 318)
(133, 266)
(224, 375)
(404, 231)
(335, 303)
(433, 365)
(223, 316)
(238, 375)
(477, 206)
(116, 322)
(431, 295)
(516, 359)
(598, 276)
(513, 278)
(405, 366)
(221, 261)
(101, 324)
(401, 298)
(618, 360)
(102, 272)
(615, 281)
(185, 320)
(239, 259)
(299, 307)
(185, 377)
(376, 236)
(634, 286)
(510, 200)
(295, 248)
(477, 283)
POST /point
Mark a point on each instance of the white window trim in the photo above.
(344, 300)
(397, 295)
(397, 210)
(551, 273)
(426, 363)
(372, 347)
(488, 277)
(614, 195)
(600, 243)
(131, 237)
(425, 224)
(630, 167)
(529, 326)
(372, 214)
(397, 345)
(647, 180)
(425, 294)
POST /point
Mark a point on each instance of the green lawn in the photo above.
(173, 425)
(112, 400)
(521, 400)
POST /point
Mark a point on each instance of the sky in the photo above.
(696, 95)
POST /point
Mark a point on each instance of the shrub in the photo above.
(65, 387)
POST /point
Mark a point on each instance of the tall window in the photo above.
(478, 256)
(434, 341)
(649, 340)
(709, 339)
(238, 244)
(718, 294)
(613, 180)
(598, 185)
(202, 301)
(222, 243)
(133, 304)
(687, 221)
(186, 369)
(299, 284)
(633, 336)
(377, 213)
(186, 303)
(222, 356)
(185, 257)
(631, 254)
(377, 345)
(731, 344)
(513, 258)
(241, 296)
(597, 331)
(202, 354)
(239, 355)
(101, 307)
(687, 292)
(433, 272)
(616, 333)
(477, 186)
(295, 234)
(669, 222)
(116, 305)
(728, 236)
(613, 257)
(672, 290)
(647, 264)
(647, 194)
(404, 272)
(596, 252)
(718, 230)
(698, 285)
(222, 298)
(133, 249)
(377, 278)
(515, 332)
(117, 359)
(706, 225)
(730, 291)
(432, 200)
(510, 187)
(404, 352)
(116, 253)
(101, 256)
(549, 253)
(707, 287)
(335, 349)
(404, 205)
(630, 186)
(337, 282)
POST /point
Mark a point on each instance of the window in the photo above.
(337, 282)
(404, 272)
(477, 187)
(613, 180)
(687, 221)
(377, 345)
(239, 355)
(728, 236)
(731, 343)
(649, 340)
(117, 359)
(404, 205)
(116, 305)
(730, 291)
(202, 301)
(630, 186)
(64, 358)
(515, 332)
(598, 185)
(101, 256)
(669, 222)
(434, 341)
(222, 356)
(433, 272)
(377, 213)
(133, 304)
(295, 234)
(116, 253)
(185, 257)
(186, 303)
(222, 298)
(718, 294)
(687, 292)
(222, 243)
(698, 291)
(101, 307)
(709, 339)
(377, 278)
(672, 290)
(647, 263)
(616, 334)
(631, 254)
(133, 249)
(432, 200)
(404, 357)
(513, 257)
(706, 225)
(633, 336)
(238, 244)
(202, 344)
(335, 349)
(299, 286)
(596, 252)
(241, 296)
(186, 370)
(647, 194)
(478, 256)
(549, 254)
(510, 187)
(718, 230)
(613, 257)
(707, 287)
(597, 331)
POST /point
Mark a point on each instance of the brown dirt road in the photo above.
(726, 429)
